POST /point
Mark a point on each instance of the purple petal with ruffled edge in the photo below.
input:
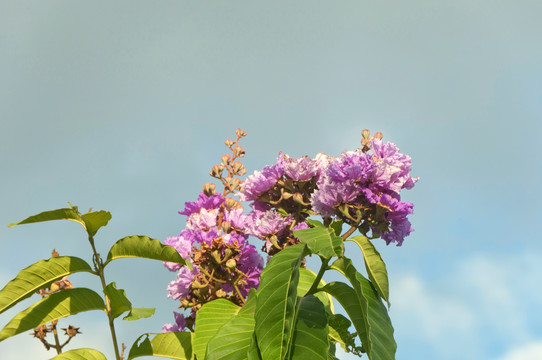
(301, 169)
(261, 181)
(203, 202)
(180, 287)
(268, 223)
(180, 324)
(331, 194)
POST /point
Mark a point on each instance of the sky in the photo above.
(124, 106)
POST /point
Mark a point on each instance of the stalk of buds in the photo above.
(41, 331)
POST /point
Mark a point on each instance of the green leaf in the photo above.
(117, 299)
(233, 339)
(144, 247)
(321, 240)
(349, 300)
(338, 332)
(374, 329)
(59, 214)
(95, 220)
(253, 350)
(337, 226)
(55, 306)
(331, 353)
(306, 278)
(173, 345)
(38, 276)
(376, 268)
(210, 318)
(310, 338)
(80, 354)
(276, 305)
(139, 313)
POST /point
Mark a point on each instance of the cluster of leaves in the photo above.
(290, 316)
(70, 301)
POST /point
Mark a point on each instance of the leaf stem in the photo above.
(323, 268)
(349, 232)
(100, 270)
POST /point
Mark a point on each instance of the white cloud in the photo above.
(481, 301)
(530, 351)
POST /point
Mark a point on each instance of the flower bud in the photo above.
(298, 198)
(216, 256)
(235, 182)
(225, 158)
(221, 293)
(237, 165)
(228, 143)
(230, 203)
(378, 135)
(216, 171)
(365, 133)
(209, 189)
(231, 264)
(226, 226)
(239, 151)
(240, 133)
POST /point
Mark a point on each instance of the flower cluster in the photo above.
(360, 188)
(215, 240)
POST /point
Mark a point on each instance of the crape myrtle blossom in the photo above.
(215, 241)
(360, 187)
(363, 189)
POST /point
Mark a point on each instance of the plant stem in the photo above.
(321, 272)
(100, 270)
(57, 346)
(349, 232)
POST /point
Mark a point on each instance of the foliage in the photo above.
(240, 309)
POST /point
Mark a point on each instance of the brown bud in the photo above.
(378, 135)
(235, 182)
(216, 171)
(54, 253)
(209, 189)
(240, 133)
(54, 287)
(225, 159)
(71, 331)
(236, 166)
(230, 202)
(239, 151)
(365, 133)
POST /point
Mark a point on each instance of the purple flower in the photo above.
(268, 223)
(400, 226)
(180, 324)
(392, 170)
(352, 165)
(331, 194)
(238, 219)
(261, 181)
(301, 169)
(300, 226)
(204, 219)
(183, 244)
(203, 202)
(180, 287)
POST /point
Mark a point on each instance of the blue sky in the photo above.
(124, 106)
